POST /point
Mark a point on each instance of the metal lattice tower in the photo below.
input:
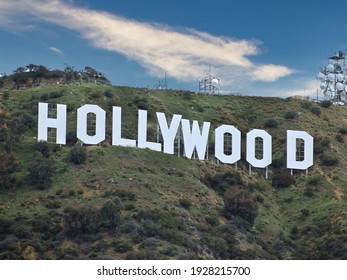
(333, 79)
(209, 84)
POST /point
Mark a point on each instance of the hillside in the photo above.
(109, 202)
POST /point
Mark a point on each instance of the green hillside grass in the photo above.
(130, 203)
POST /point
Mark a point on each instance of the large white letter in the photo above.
(235, 144)
(168, 132)
(100, 124)
(59, 123)
(142, 133)
(267, 148)
(292, 136)
(117, 139)
(195, 138)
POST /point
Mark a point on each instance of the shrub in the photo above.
(95, 95)
(122, 246)
(110, 214)
(343, 130)
(187, 95)
(80, 219)
(77, 155)
(212, 220)
(23, 231)
(41, 171)
(315, 110)
(71, 137)
(6, 225)
(270, 123)
(326, 104)
(108, 93)
(305, 212)
(328, 159)
(241, 203)
(149, 229)
(221, 181)
(140, 103)
(282, 180)
(321, 145)
(306, 105)
(219, 247)
(290, 115)
(278, 163)
(185, 203)
(339, 138)
(125, 195)
(150, 242)
(8, 165)
(315, 180)
(43, 148)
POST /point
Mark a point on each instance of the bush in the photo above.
(140, 103)
(185, 203)
(187, 95)
(43, 148)
(95, 95)
(329, 159)
(306, 105)
(77, 155)
(290, 115)
(110, 214)
(241, 203)
(71, 137)
(321, 145)
(282, 180)
(6, 225)
(41, 171)
(278, 163)
(122, 246)
(8, 165)
(326, 104)
(80, 219)
(343, 130)
(108, 93)
(270, 123)
(315, 110)
(339, 138)
(315, 180)
(221, 181)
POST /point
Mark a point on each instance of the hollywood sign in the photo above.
(194, 137)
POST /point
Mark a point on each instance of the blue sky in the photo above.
(269, 48)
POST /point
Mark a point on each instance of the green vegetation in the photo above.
(107, 202)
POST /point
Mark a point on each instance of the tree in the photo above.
(91, 71)
(19, 70)
(31, 67)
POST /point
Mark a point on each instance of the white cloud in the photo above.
(182, 55)
(270, 72)
(56, 50)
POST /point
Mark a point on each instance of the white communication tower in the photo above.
(333, 79)
(209, 84)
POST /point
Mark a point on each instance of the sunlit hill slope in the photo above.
(109, 202)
